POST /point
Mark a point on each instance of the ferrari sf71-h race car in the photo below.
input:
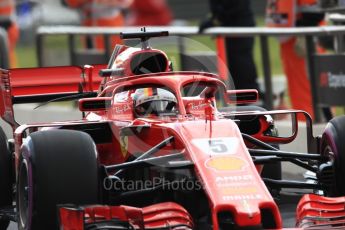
(153, 152)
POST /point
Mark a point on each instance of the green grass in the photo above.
(206, 43)
(276, 68)
(274, 52)
(26, 55)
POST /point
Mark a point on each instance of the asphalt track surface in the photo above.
(287, 202)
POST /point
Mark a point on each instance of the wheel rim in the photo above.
(328, 151)
(23, 195)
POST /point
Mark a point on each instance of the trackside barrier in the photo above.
(321, 76)
(4, 59)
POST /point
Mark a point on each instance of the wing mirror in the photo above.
(243, 96)
(94, 104)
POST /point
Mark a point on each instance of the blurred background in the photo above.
(55, 50)
(52, 12)
(33, 14)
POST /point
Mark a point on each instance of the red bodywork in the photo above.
(320, 212)
(214, 144)
(152, 217)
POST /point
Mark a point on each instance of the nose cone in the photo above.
(227, 172)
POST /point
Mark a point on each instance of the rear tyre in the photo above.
(55, 167)
(333, 146)
(6, 195)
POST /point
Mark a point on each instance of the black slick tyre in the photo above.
(6, 195)
(55, 167)
(333, 146)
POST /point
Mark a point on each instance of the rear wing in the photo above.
(32, 85)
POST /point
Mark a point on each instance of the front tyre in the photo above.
(55, 167)
(333, 146)
(6, 195)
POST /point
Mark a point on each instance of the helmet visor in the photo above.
(158, 107)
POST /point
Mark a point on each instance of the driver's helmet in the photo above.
(154, 101)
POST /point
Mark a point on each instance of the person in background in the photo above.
(107, 13)
(240, 62)
(8, 22)
(149, 12)
(289, 13)
(239, 50)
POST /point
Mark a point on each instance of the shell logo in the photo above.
(239, 190)
(226, 163)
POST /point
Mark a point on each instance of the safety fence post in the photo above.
(4, 58)
(312, 78)
(39, 49)
(265, 55)
(72, 49)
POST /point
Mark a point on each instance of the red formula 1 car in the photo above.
(153, 152)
